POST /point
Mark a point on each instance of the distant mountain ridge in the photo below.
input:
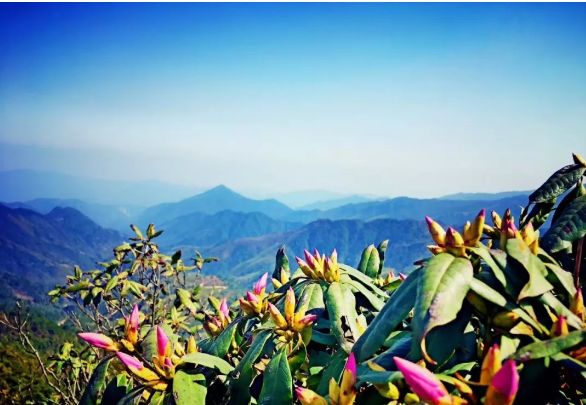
(37, 251)
(247, 257)
(217, 199)
(203, 230)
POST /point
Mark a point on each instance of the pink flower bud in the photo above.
(422, 381)
(251, 297)
(224, 308)
(162, 342)
(504, 385)
(351, 364)
(308, 319)
(261, 284)
(309, 259)
(99, 340)
(131, 362)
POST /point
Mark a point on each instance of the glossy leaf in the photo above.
(558, 183)
(221, 344)
(189, 389)
(535, 268)
(550, 347)
(277, 387)
(96, 383)
(442, 288)
(244, 371)
(207, 360)
(391, 315)
(570, 227)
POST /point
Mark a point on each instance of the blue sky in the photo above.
(385, 99)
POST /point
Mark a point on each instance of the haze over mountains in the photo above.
(42, 238)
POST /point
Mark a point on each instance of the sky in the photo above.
(379, 99)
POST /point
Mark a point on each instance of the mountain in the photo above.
(37, 251)
(449, 211)
(335, 203)
(217, 199)
(24, 185)
(203, 230)
(485, 196)
(117, 217)
(243, 259)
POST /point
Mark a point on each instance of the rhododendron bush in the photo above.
(494, 316)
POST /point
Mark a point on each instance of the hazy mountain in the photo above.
(450, 211)
(24, 185)
(117, 217)
(37, 251)
(203, 230)
(245, 258)
(335, 203)
(217, 199)
(485, 196)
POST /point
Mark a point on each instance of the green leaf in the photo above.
(570, 227)
(96, 383)
(311, 298)
(221, 344)
(375, 301)
(487, 292)
(207, 360)
(281, 264)
(487, 256)
(382, 249)
(363, 278)
(564, 277)
(189, 389)
(332, 370)
(116, 389)
(560, 309)
(537, 284)
(558, 183)
(370, 262)
(137, 231)
(244, 372)
(547, 348)
(277, 387)
(130, 398)
(341, 307)
(441, 290)
(391, 315)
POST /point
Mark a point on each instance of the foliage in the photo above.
(494, 316)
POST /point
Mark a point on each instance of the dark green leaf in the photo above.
(244, 372)
(277, 387)
(221, 344)
(547, 348)
(570, 227)
(391, 315)
(558, 183)
(96, 383)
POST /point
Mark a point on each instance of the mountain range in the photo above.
(38, 250)
(42, 238)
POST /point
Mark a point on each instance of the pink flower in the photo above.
(261, 284)
(162, 342)
(132, 325)
(224, 308)
(131, 362)
(251, 297)
(504, 385)
(350, 363)
(309, 259)
(422, 381)
(308, 319)
(99, 340)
